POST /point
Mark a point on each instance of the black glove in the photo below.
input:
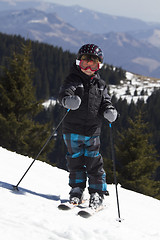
(70, 91)
(71, 102)
(79, 91)
(75, 90)
(110, 113)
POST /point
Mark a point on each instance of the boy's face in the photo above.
(89, 64)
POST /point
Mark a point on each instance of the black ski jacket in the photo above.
(87, 119)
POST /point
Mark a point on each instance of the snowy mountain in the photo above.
(79, 16)
(32, 213)
(104, 23)
(128, 43)
(120, 49)
(97, 22)
(37, 25)
(151, 35)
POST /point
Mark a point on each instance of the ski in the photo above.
(88, 212)
(68, 206)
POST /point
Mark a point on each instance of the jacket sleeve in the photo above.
(106, 101)
(70, 87)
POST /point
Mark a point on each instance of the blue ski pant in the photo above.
(84, 160)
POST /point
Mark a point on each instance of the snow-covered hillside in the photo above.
(132, 88)
(32, 212)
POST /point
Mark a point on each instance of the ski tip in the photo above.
(84, 214)
(64, 207)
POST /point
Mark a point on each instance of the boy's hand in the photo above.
(71, 102)
(110, 113)
(75, 90)
(79, 90)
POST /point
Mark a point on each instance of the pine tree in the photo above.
(18, 106)
(137, 159)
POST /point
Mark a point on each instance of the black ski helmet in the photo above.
(90, 49)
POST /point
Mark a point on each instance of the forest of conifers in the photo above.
(136, 132)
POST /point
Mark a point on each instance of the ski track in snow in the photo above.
(32, 212)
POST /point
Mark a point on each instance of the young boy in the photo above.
(85, 94)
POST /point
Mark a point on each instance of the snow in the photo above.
(43, 21)
(49, 103)
(134, 82)
(32, 212)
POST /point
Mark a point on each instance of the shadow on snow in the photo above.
(23, 191)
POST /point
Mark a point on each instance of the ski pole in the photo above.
(49, 138)
(114, 170)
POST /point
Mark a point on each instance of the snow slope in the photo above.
(134, 83)
(32, 212)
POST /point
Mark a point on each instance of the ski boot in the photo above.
(96, 200)
(76, 195)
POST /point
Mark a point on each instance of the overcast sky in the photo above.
(147, 10)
